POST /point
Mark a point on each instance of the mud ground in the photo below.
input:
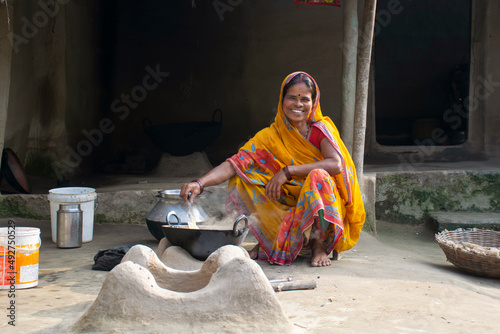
(397, 281)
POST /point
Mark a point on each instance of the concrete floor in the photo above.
(395, 282)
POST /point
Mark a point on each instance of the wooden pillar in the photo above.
(6, 15)
(363, 79)
(349, 62)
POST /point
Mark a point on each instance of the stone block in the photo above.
(407, 197)
(368, 193)
(453, 220)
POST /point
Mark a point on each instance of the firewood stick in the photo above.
(294, 285)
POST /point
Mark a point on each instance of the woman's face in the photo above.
(297, 103)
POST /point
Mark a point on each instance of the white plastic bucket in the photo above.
(70, 195)
(19, 267)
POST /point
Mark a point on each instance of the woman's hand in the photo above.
(216, 176)
(190, 190)
(275, 185)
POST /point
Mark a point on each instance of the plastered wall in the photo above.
(54, 90)
(492, 75)
(232, 57)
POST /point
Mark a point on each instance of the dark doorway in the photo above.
(421, 58)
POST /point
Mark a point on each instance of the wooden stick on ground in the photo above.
(293, 285)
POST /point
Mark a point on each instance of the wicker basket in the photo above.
(472, 250)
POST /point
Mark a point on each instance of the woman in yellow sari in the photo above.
(296, 179)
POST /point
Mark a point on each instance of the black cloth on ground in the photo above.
(107, 259)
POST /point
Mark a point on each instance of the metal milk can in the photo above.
(69, 226)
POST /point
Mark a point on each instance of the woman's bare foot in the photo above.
(319, 256)
(254, 252)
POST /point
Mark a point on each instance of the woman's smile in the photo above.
(297, 103)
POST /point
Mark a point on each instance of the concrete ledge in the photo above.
(453, 220)
(407, 197)
(118, 206)
(24, 206)
(368, 191)
(399, 197)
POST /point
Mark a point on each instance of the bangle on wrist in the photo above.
(287, 173)
(200, 184)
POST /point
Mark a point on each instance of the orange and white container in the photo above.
(19, 250)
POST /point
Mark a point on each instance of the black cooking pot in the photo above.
(202, 242)
(181, 139)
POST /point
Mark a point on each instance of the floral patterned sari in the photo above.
(332, 203)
